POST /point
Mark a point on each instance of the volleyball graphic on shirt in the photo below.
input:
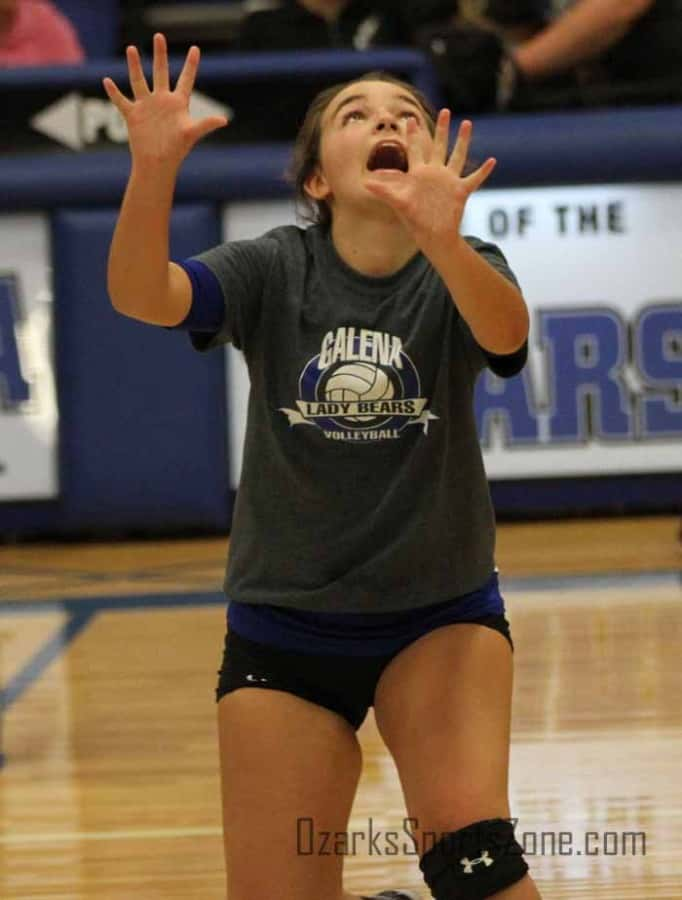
(362, 387)
(359, 382)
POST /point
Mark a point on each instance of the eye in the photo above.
(409, 114)
(353, 115)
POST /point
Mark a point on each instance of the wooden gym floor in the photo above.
(108, 656)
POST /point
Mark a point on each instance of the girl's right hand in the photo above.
(160, 128)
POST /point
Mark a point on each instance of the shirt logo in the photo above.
(361, 387)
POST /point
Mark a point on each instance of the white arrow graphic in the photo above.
(65, 122)
(61, 121)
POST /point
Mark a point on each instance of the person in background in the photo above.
(594, 39)
(353, 24)
(35, 33)
(301, 25)
(498, 54)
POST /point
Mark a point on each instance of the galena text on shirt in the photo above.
(368, 346)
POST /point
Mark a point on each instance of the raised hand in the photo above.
(431, 196)
(160, 128)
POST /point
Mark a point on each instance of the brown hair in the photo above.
(306, 153)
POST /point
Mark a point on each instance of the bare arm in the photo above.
(491, 305)
(580, 34)
(141, 280)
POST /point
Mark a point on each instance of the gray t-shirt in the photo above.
(362, 487)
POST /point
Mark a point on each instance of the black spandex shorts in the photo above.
(343, 684)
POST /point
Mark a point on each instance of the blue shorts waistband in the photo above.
(358, 634)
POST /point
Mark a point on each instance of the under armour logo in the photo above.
(255, 678)
(470, 863)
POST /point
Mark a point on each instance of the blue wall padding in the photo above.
(143, 431)
(174, 470)
(609, 147)
(617, 494)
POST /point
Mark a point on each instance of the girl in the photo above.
(361, 566)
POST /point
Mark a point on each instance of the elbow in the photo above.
(520, 339)
(519, 325)
(119, 299)
(518, 330)
(113, 288)
(525, 325)
(514, 340)
(115, 298)
(505, 343)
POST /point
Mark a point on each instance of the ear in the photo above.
(316, 185)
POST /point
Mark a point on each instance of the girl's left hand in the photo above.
(431, 196)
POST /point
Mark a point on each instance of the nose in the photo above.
(387, 122)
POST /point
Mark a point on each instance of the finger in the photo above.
(461, 151)
(477, 178)
(161, 82)
(138, 82)
(206, 126)
(441, 138)
(415, 149)
(188, 75)
(120, 101)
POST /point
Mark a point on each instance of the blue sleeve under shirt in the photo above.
(207, 312)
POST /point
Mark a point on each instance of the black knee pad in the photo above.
(474, 862)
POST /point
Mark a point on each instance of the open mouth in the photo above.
(388, 156)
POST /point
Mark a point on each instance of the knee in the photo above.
(474, 862)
